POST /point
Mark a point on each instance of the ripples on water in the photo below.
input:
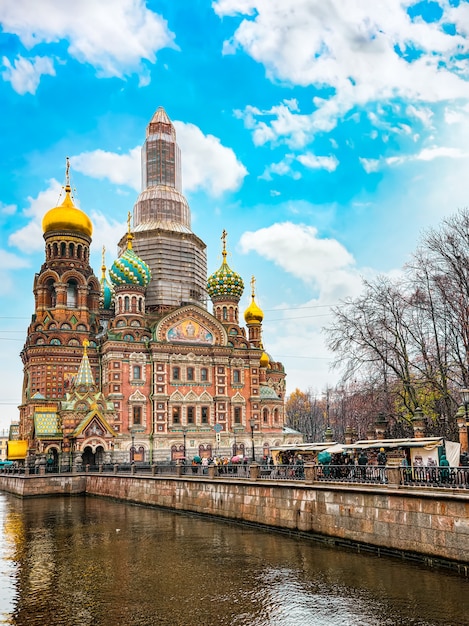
(91, 562)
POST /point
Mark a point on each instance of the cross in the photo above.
(253, 284)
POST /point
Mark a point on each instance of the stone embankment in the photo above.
(431, 525)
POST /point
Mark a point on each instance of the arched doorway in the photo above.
(93, 458)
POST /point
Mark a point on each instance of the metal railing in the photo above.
(445, 477)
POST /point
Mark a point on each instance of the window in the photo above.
(204, 415)
(176, 414)
(137, 414)
(265, 416)
(137, 371)
(236, 376)
(190, 414)
(204, 374)
(127, 303)
(225, 313)
(190, 373)
(72, 293)
(237, 415)
(176, 373)
(221, 370)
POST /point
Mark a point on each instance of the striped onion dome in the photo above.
(130, 269)
(225, 282)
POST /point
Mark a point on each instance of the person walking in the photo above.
(382, 458)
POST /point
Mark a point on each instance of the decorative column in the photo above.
(418, 423)
(462, 422)
(381, 425)
(328, 435)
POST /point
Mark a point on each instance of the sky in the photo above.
(325, 136)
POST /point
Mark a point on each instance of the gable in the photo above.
(93, 425)
(190, 325)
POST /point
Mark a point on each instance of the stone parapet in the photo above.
(432, 522)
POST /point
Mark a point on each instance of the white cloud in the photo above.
(29, 238)
(312, 161)
(370, 165)
(25, 74)
(207, 164)
(357, 49)
(321, 263)
(112, 35)
(8, 209)
(120, 169)
(9, 263)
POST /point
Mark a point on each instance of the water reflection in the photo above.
(91, 562)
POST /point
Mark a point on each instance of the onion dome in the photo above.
(106, 287)
(253, 314)
(264, 360)
(130, 269)
(67, 217)
(225, 282)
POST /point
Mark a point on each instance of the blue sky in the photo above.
(325, 136)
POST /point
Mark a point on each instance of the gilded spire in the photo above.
(68, 188)
(223, 238)
(129, 234)
(103, 263)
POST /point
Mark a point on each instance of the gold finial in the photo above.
(86, 343)
(223, 238)
(129, 234)
(103, 262)
(253, 285)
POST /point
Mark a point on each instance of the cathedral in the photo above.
(131, 366)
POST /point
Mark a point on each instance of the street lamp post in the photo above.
(132, 449)
(252, 422)
(465, 399)
(235, 447)
(184, 433)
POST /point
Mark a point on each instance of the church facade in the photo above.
(132, 366)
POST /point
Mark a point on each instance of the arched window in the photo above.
(225, 313)
(140, 305)
(265, 416)
(190, 415)
(137, 415)
(126, 303)
(204, 374)
(190, 374)
(50, 294)
(237, 415)
(63, 249)
(72, 250)
(236, 376)
(72, 293)
(137, 372)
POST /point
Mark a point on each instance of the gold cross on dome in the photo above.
(253, 285)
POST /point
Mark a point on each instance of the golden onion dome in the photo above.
(67, 217)
(264, 361)
(253, 314)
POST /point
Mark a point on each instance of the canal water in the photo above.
(93, 562)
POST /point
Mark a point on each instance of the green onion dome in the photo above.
(130, 269)
(225, 282)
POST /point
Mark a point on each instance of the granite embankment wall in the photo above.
(431, 522)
